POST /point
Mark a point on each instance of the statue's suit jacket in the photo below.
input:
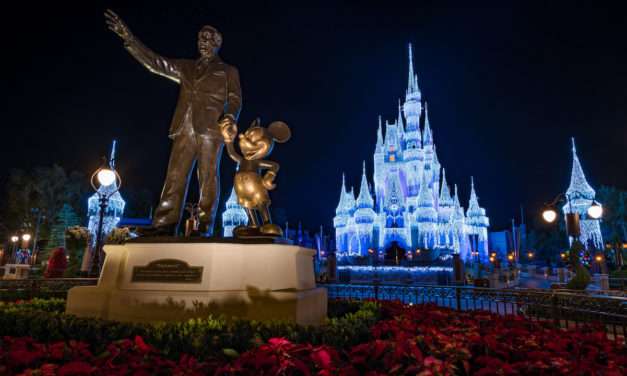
(210, 88)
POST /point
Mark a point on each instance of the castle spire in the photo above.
(579, 186)
(112, 158)
(445, 193)
(476, 214)
(399, 118)
(412, 79)
(427, 138)
(342, 203)
(436, 162)
(379, 136)
(365, 198)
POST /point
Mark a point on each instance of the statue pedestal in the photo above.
(145, 282)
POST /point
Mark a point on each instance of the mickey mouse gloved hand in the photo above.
(268, 180)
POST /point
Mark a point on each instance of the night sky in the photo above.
(507, 86)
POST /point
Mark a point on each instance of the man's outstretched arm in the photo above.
(151, 60)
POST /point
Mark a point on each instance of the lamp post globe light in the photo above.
(595, 211)
(14, 240)
(549, 215)
(573, 224)
(106, 182)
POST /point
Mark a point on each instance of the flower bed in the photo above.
(422, 339)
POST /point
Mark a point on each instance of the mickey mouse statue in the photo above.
(250, 186)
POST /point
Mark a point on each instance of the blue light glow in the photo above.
(412, 202)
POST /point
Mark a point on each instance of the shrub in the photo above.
(45, 321)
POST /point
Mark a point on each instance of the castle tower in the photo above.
(477, 222)
(580, 196)
(413, 101)
(426, 215)
(379, 169)
(234, 215)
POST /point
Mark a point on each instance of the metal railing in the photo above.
(11, 289)
(565, 308)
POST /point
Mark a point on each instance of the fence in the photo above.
(12, 289)
(567, 309)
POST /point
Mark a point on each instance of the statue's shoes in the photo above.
(245, 231)
(270, 229)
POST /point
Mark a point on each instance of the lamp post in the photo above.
(102, 181)
(14, 240)
(573, 228)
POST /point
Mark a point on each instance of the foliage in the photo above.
(118, 235)
(581, 280)
(46, 189)
(548, 240)
(76, 240)
(403, 340)
(57, 263)
(202, 338)
(65, 218)
(614, 223)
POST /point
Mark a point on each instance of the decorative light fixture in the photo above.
(107, 178)
(26, 237)
(15, 238)
(549, 214)
(598, 258)
(595, 210)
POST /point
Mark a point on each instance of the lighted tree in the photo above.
(65, 218)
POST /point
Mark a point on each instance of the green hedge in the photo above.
(349, 324)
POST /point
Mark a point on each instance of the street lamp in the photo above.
(595, 211)
(103, 181)
(549, 214)
(14, 240)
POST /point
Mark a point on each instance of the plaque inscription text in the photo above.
(167, 271)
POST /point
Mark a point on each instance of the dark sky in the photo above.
(507, 86)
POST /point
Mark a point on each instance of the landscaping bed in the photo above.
(359, 338)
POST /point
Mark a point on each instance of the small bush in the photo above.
(45, 320)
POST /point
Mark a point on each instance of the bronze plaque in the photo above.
(167, 271)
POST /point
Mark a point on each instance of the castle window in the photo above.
(392, 158)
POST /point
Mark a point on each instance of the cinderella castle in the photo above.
(411, 206)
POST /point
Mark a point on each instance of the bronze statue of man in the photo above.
(210, 99)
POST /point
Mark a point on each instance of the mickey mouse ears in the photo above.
(279, 131)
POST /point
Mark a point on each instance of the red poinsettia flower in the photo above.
(76, 368)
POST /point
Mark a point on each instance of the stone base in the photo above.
(252, 281)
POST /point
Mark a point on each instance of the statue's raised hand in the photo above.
(115, 24)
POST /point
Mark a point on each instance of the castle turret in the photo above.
(477, 223)
(475, 214)
(427, 136)
(364, 203)
(426, 206)
(413, 98)
(234, 215)
(445, 201)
